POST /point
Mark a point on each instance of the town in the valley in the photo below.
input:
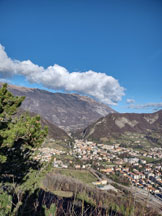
(125, 166)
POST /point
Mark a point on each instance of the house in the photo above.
(134, 176)
(126, 169)
(102, 182)
(77, 166)
(108, 170)
(143, 161)
(118, 162)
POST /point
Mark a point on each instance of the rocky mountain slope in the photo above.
(54, 132)
(67, 111)
(127, 126)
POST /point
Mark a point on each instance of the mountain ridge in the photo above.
(67, 111)
(116, 125)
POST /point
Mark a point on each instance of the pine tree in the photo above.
(19, 138)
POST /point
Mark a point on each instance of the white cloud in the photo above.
(5, 81)
(154, 106)
(130, 101)
(102, 87)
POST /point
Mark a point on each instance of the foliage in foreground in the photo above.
(87, 200)
(19, 137)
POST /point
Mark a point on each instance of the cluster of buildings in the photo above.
(87, 150)
(127, 162)
(111, 159)
(46, 154)
(149, 179)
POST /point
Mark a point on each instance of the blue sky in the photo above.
(119, 38)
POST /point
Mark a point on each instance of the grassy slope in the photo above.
(83, 175)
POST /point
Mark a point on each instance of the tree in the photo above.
(19, 138)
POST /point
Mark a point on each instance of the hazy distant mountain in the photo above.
(68, 111)
(124, 126)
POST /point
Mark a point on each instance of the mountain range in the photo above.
(126, 128)
(67, 111)
(85, 118)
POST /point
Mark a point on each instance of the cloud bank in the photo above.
(154, 106)
(100, 86)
